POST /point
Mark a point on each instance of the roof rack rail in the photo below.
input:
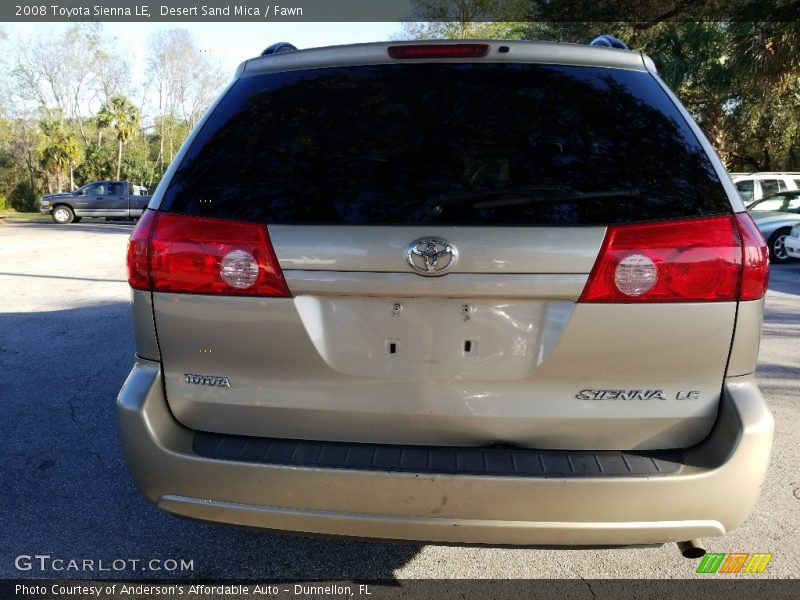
(609, 41)
(278, 48)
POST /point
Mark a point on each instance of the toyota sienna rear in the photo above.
(481, 292)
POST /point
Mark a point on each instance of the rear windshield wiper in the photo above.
(435, 203)
(501, 191)
(569, 196)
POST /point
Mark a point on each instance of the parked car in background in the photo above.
(792, 242)
(775, 217)
(755, 186)
(479, 292)
(114, 199)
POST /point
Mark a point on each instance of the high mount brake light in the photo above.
(439, 51)
(698, 260)
(194, 255)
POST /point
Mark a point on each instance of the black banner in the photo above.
(634, 11)
(714, 587)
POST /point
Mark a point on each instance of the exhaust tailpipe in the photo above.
(692, 549)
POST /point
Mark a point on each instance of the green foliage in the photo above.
(19, 163)
(122, 116)
(505, 30)
(24, 198)
(60, 151)
(137, 166)
(739, 79)
(52, 135)
(98, 163)
(468, 19)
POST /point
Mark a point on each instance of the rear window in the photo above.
(447, 144)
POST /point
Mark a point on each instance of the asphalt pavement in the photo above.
(65, 350)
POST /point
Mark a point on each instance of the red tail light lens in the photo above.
(196, 255)
(755, 263)
(138, 254)
(439, 51)
(677, 261)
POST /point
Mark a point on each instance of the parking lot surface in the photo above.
(65, 349)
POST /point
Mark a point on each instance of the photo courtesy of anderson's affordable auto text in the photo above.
(419, 299)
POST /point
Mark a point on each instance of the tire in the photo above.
(63, 214)
(777, 252)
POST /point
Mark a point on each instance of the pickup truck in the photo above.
(113, 199)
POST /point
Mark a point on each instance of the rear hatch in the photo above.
(436, 251)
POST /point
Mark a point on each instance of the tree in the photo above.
(24, 141)
(739, 78)
(694, 60)
(467, 19)
(185, 82)
(112, 72)
(766, 114)
(122, 116)
(61, 151)
(768, 53)
(98, 162)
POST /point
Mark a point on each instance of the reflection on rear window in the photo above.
(465, 144)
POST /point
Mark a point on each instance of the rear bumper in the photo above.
(713, 492)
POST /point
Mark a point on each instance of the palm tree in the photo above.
(767, 61)
(72, 152)
(61, 150)
(767, 53)
(122, 116)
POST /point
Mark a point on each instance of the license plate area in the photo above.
(432, 339)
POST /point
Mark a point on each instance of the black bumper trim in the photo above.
(500, 461)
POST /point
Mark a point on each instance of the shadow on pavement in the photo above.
(785, 278)
(67, 491)
(90, 226)
(38, 276)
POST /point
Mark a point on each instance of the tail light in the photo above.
(194, 255)
(713, 259)
(439, 51)
(138, 254)
(755, 263)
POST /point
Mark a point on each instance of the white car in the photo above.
(791, 243)
(755, 186)
(775, 217)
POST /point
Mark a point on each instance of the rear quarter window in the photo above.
(449, 144)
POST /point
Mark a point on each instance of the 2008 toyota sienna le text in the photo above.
(481, 292)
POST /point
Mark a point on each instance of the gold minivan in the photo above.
(473, 292)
